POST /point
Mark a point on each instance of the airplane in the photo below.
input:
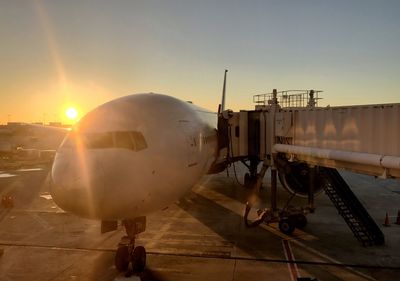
(140, 153)
(130, 157)
(136, 155)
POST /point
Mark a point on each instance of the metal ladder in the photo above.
(350, 208)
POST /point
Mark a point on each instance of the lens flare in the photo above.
(71, 113)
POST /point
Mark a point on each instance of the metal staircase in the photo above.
(350, 208)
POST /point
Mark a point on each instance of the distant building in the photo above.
(14, 124)
(55, 124)
(31, 136)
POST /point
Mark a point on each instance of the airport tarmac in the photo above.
(201, 237)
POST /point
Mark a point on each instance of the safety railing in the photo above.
(289, 98)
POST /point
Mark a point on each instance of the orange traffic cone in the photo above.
(398, 218)
(386, 223)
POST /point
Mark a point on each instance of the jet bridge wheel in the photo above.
(287, 225)
(295, 178)
(300, 221)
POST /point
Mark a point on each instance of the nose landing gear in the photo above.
(127, 252)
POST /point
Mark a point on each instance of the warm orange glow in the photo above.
(71, 113)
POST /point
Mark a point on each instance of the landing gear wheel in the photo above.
(138, 259)
(122, 258)
(300, 221)
(286, 226)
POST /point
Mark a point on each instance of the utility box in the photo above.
(238, 134)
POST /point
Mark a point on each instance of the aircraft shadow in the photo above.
(255, 242)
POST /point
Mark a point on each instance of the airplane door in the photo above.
(191, 142)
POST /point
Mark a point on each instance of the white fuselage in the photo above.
(132, 156)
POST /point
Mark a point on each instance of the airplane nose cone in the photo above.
(76, 183)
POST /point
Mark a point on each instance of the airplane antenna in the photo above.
(222, 108)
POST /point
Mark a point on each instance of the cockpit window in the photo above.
(120, 139)
(140, 142)
(99, 140)
(123, 140)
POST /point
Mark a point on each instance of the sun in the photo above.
(71, 113)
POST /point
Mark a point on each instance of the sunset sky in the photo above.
(58, 54)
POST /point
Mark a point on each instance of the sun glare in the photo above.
(71, 113)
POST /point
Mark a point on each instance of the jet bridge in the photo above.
(304, 143)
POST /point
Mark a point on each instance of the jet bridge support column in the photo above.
(311, 188)
(253, 168)
(273, 189)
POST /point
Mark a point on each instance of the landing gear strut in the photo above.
(127, 252)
